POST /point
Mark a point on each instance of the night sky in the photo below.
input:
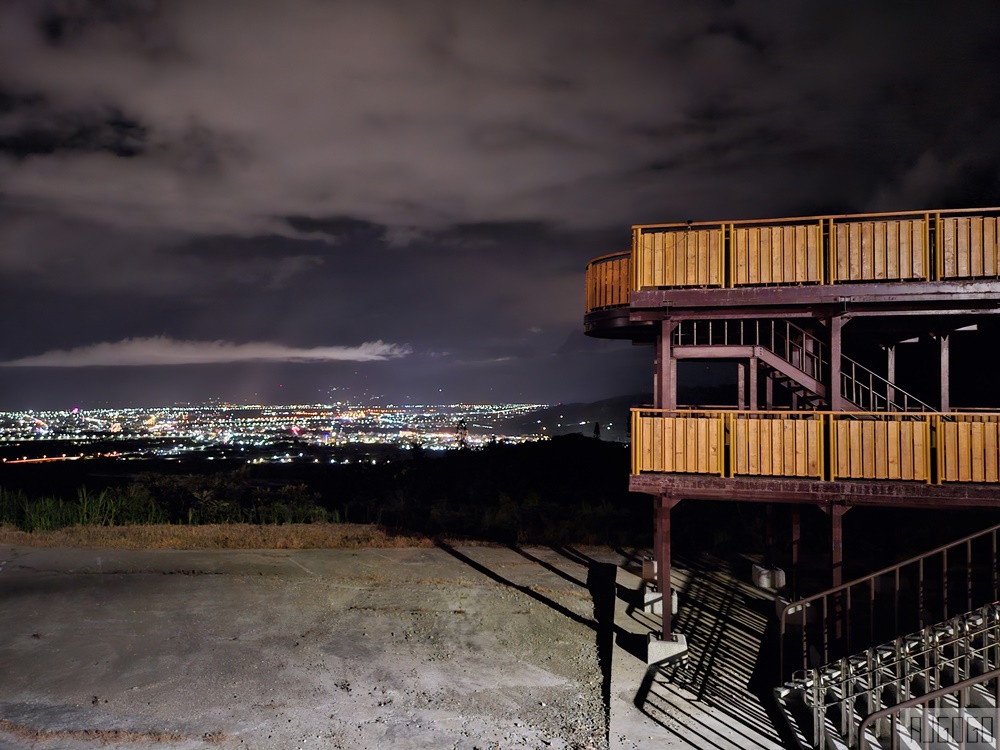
(265, 201)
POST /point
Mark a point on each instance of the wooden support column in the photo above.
(769, 393)
(796, 537)
(753, 397)
(837, 512)
(665, 379)
(836, 352)
(890, 354)
(945, 375)
(662, 554)
(741, 385)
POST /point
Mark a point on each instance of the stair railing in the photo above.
(923, 706)
(944, 653)
(871, 392)
(864, 388)
(904, 597)
(793, 344)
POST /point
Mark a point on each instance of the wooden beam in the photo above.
(754, 392)
(833, 389)
(665, 377)
(882, 493)
(944, 340)
(890, 352)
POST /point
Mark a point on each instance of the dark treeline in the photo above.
(571, 489)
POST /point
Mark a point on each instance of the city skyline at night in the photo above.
(260, 203)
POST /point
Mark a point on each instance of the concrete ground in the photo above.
(470, 647)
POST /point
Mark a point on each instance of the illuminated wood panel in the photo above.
(608, 281)
(683, 444)
(789, 254)
(881, 250)
(881, 447)
(967, 247)
(968, 451)
(780, 447)
(679, 257)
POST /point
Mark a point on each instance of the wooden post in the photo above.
(836, 352)
(945, 375)
(665, 379)
(890, 352)
(741, 384)
(769, 392)
(796, 536)
(753, 399)
(837, 543)
(663, 562)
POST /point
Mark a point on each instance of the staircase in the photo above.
(794, 359)
(856, 684)
(940, 684)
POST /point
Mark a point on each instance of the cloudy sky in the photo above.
(266, 201)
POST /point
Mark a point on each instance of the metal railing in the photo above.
(846, 696)
(793, 344)
(872, 727)
(871, 392)
(860, 613)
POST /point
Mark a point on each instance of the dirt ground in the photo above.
(470, 647)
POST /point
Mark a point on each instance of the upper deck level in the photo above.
(933, 261)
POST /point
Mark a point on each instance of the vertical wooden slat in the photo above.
(950, 430)
(962, 248)
(857, 462)
(775, 255)
(703, 446)
(800, 428)
(753, 443)
(991, 458)
(739, 427)
(788, 254)
(813, 449)
(878, 249)
(739, 241)
(765, 461)
(868, 449)
(906, 450)
(990, 246)
(881, 450)
(892, 244)
(813, 253)
(867, 250)
(854, 244)
(892, 439)
(964, 451)
(921, 439)
(946, 232)
(978, 468)
(976, 245)
(843, 467)
(787, 428)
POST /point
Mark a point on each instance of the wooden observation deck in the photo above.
(784, 301)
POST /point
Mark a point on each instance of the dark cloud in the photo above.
(438, 173)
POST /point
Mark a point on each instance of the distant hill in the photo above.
(579, 418)
(611, 413)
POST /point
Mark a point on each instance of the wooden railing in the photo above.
(608, 281)
(855, 248)
(827, 446)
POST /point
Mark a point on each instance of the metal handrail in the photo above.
(865, 396)
(841, 594)
(947, 649)
(960, 688)
(783, 338)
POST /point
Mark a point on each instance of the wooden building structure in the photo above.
(783, 300)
